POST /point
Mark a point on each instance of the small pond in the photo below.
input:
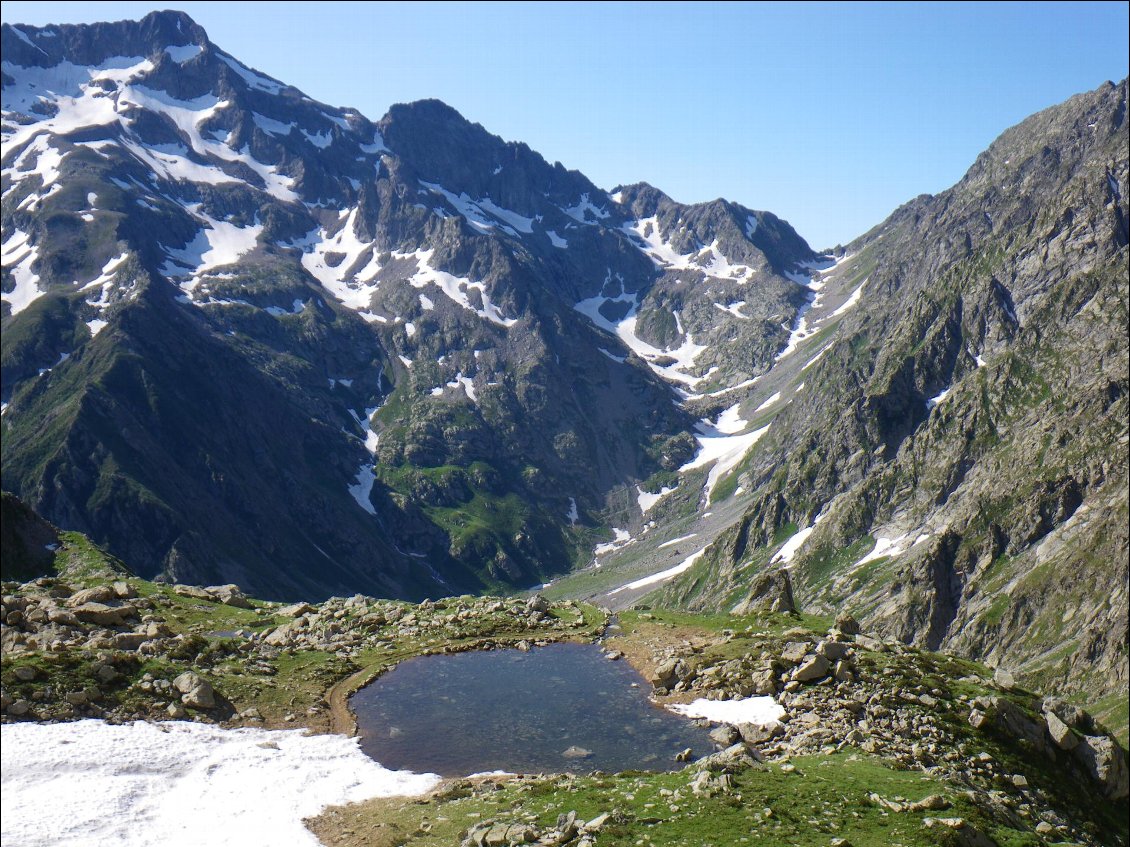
(563, 707)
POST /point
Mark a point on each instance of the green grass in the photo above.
(818, 799)
(825, 563)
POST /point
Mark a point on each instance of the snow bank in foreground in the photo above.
(759, 710)
(180, 783)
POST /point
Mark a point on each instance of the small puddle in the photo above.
(563, 707)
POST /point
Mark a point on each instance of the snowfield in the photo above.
(180, 784)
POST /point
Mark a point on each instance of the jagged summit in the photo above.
(88, 44)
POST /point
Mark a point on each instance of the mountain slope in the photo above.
(954, 469)
(249, 337)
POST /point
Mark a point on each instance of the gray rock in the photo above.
(193, 591)
(576, 752)
(765, 682)
(725, 735)
(1004, 679)
(771, 592)
(103, 615)
(811, 669)
(229, 595)
(537, 603)
(795, 651)
(847, 624)
(665, 673)
(196, 692)
(1105, 761)
(97, 594)
(833, 651)
(293, 611)
(734, 758)
(123, 590)
(755, 733)
(1072, 715)
(1060, 732)
(597, 824)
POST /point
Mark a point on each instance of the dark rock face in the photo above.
(26, 540)
(252, 338)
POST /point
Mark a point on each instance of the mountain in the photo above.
(251, 338)
(954, 470)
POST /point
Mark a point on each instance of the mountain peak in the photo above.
(31, 46)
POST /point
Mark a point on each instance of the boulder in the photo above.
(123, 590)
(725, 735)
(1072, 715)
(736, 757)
(813, 668)
(295, 610)
(1004, 679)
(1105, 761)
(847, 624)
(97, 594)
(770, 592)
(229, 595)
(765, 682)
(193, 591)
(665, 673)
(129, 640)
(795, 651)
(757, 733)
(98, 613)
(1060, 732)
(196, 692)
(833, 651)
(537, 603)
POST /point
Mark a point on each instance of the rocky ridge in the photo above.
(951, 461)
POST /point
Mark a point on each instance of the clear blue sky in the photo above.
(829, 115)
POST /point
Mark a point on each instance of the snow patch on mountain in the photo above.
(72, 90)
(483, 214)
(647, 500)
(620, 538)
(362, 489)
(252, 78)
(734, 309)
(182, 53)
(721, 448)
(216, 244)
(768, 402)
(17, 256)
(583, 208)
(625, 329)
(662, 576)
(456, 288)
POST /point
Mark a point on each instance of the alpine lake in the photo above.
(561, 707)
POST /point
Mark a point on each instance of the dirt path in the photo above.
(342, 720)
